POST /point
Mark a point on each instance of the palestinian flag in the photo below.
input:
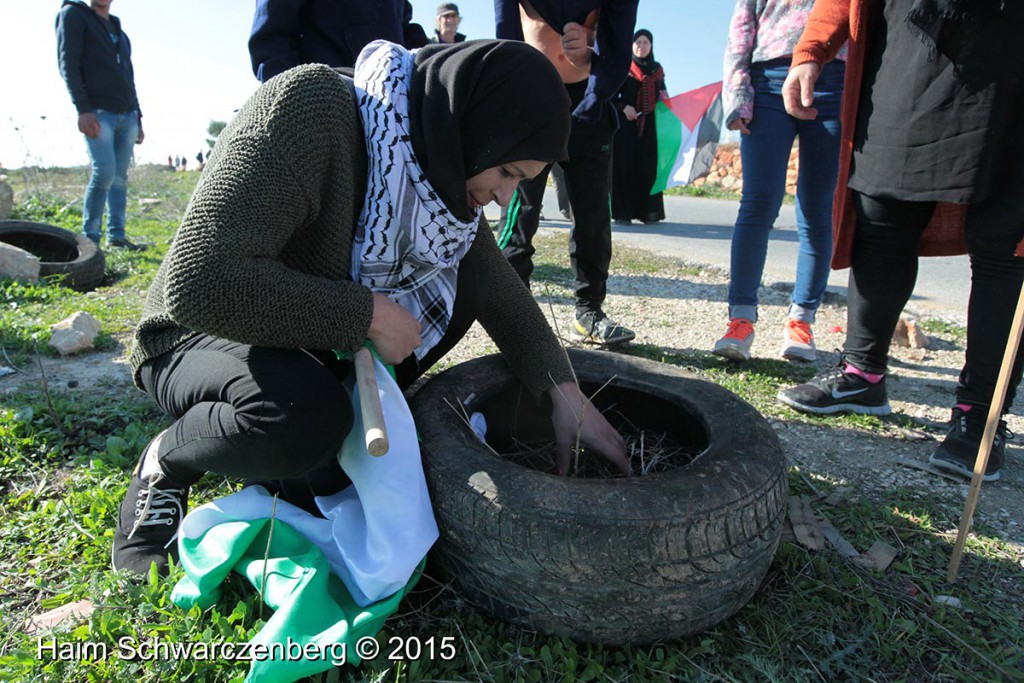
(688, 126)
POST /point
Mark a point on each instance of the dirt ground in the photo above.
(686, 313)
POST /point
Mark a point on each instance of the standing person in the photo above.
(287, 33)
(447, 24)
(762, 36)
(932, 164)
(588, 41)
(95, 59)
(325, 234)
(170, 161)
(635, 157)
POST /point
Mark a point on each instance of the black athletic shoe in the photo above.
(835, 391)
(147, 524)
(124, 244)
(959, 449)
(594, 327)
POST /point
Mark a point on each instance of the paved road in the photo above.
(700, 230)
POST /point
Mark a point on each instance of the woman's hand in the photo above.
(798, 91)
(742, 125)
(394, 331)
(629, 112)
(575, 417)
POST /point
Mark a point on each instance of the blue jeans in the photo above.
(110, 153)
(765, 156)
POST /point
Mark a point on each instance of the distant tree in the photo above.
(213, 130)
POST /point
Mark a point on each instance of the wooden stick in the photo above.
(369, 403)
(995, 411)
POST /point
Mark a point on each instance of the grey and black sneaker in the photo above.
(836, 391)
(594, 327)
(124, 243)
(959, 450)
(147, 524)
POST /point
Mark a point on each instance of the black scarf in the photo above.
(973, 34)
(480, 104)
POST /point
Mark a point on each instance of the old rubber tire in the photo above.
(60, 252)
(610, 560)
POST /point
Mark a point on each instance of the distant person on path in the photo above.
(932, 164)
(170, 161)
(762, 37)
(357, 217)
(199, 159)
(447, 24)
(635, 156)
(589, 42)
(95, 59)
(287, 33)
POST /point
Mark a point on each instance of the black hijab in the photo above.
(647, 64)
(480, 104)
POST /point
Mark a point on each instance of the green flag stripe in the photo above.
(670, 138)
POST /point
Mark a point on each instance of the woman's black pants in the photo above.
(884, 271)
(276, 416)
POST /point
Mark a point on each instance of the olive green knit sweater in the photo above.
(263, 254)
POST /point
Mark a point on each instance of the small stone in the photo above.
(949, 601)
(74, 334)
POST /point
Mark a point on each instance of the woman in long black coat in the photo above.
(635, 155)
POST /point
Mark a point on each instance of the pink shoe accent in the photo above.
(964, 407)
(871, 377)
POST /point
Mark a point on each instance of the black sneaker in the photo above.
(835, 391)
(123, 243)
(594, 327)
(147, 524)
(959, 449)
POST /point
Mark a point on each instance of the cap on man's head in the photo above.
(447, 8)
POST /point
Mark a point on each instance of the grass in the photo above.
(65, 459)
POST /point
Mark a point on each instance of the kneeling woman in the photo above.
(329, 215)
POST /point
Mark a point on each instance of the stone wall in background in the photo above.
(727, 171)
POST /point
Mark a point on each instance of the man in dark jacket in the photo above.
(286, 33)
(95, 59)
(447, 24)
(590, 44)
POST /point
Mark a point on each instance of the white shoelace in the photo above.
(157, 506)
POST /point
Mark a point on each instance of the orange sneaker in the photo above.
(798, 341)
(735, 344)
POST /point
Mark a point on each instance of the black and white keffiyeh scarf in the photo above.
(408, 244)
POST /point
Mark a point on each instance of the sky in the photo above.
(192, 66)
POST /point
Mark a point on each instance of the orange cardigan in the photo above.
(833, 22)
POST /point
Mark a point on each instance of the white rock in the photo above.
(18, 264)
(74, 334)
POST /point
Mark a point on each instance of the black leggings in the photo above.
(276, 416)
(884, 271)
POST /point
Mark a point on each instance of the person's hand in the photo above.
(742, 125)
(578, 44)
(394, 331)
(574, 417)
(798, 91)
(142, 135)
(629, 112)
(88, 124)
